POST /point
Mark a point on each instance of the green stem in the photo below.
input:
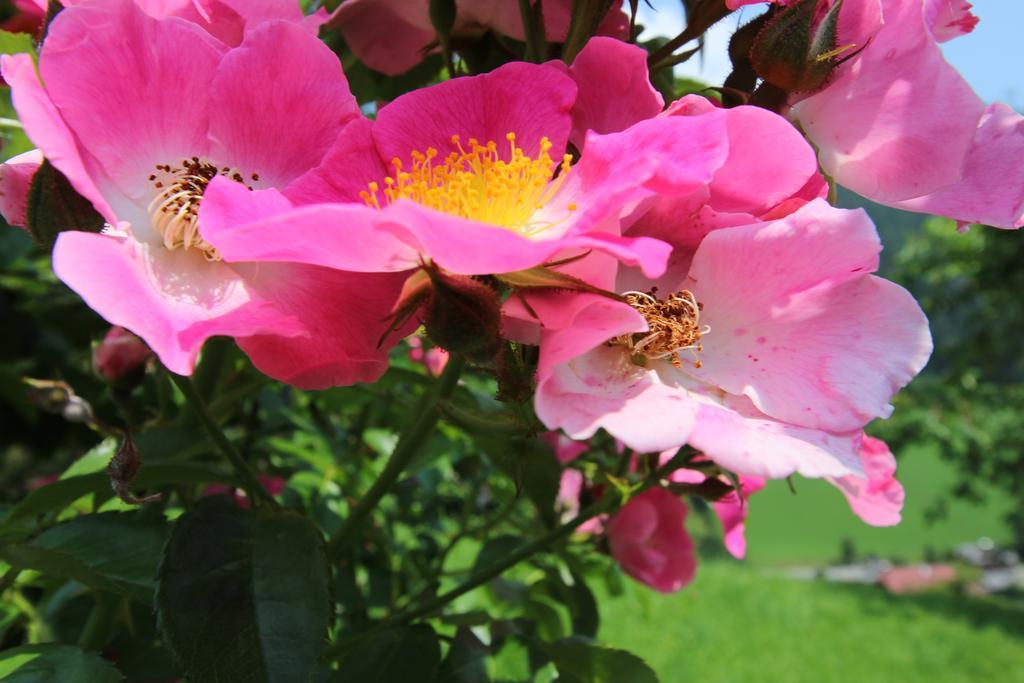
(250, 482)
(8, 579)
(409, 443)
(96, 632)
(479, 577)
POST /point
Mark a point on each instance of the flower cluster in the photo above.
(674, 275)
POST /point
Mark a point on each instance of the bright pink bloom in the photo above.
(876, 497)
(900, 126)
(799, 346)
(508, 128)
(648, 539)
(392, 36)
(15, 181)
(119, 354)
(224, 19)
(139, 114)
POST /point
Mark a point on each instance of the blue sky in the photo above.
(991, 58)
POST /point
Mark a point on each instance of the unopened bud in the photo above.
(797, 50)
(59, 398)
(122, 469)
(121, 357)
(463, 315)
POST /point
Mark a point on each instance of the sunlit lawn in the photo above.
(735, 624)
(746, 623)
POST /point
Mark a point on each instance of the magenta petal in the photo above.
(877, 497)
(344, 316)
(648, 539)
(134, 90)
(259, 226)
(48, 130)
(277, 104)
(614, 89)
(799, 325)
(174, 300)
(15, 180)
(346, 170)
(533, 101)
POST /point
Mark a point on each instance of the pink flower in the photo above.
(732, 508)
(472, 174)
(769, 354)
(565, 449)
(900, 126)
(392, 36)
(15, 181)
(119, 354)
(224, 19)
(28, 17)
(649, 541)
(876, 497)
(433, 359)
(140, 114)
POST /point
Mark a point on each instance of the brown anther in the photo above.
(673, 326)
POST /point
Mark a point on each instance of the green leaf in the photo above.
(243, 594)
(16, 43)
(494, 550)
(62, 493)
(465, 661)
(113, 551)
(400, 655)
(51, 663)
(55, 206)
(585, 663)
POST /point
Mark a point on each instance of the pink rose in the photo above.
(648, 539)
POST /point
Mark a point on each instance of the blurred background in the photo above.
(821, 596)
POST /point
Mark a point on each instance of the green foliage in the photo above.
(968, 402)
(582, 663)
(54, 664)
(244, 594)
(410, 653)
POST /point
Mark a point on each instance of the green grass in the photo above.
(737, 623)
(784, 528)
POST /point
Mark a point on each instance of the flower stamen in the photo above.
(476, 183)
(673, 326)
(175, 208)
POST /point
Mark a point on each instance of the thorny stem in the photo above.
(409, 443)
(250, 482)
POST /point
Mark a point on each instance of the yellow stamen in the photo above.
(673, 326)
(477, 184)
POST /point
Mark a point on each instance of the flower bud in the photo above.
(648, 539)
(121, 357)
(462, 315)
(797, 49)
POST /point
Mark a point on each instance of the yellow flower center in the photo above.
(673, 326)
(175, 209)
(477, 184)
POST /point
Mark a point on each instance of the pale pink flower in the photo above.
(899, 125)
(877, 498)
(472, 174)
(392, 36)
(139, 114)
(649, 541)
(732, 508)
(120, 354)
(775, 347)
